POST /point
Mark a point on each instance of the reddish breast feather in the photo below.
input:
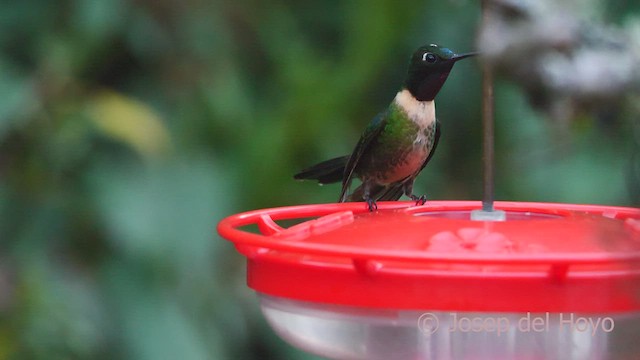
(407, 166)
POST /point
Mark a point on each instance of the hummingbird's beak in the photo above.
(463, 56)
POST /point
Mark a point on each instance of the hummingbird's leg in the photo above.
(420, 200)
(371, 203)
(366, 195)
(408, 190)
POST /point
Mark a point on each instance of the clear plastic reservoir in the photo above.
(342, 332)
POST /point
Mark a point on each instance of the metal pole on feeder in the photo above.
(488, 137)
(487, 213)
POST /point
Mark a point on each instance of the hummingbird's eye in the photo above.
(429, 57)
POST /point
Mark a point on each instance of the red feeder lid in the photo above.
(544, 257)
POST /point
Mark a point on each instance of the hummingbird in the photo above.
(399, 142)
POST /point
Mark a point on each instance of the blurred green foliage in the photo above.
(128, 129)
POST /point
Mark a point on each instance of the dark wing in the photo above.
(433, 148)
(395, 191)
(371, 132)
(392, 192)
(326, 172)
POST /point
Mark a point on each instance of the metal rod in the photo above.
(488, 213)
(487, 125)
(488, 137)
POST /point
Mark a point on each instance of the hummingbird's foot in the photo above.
(420, 200)
(372, 205)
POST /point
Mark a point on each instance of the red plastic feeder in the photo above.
(427, 282)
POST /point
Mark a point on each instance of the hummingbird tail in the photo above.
(356, 195)
(375, 193)
(326, 172)
(378, 193)
(392, 193)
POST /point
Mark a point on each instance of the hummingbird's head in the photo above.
(428, 70)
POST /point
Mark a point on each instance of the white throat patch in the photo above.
(423, 113)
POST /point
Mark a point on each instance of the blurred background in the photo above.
(129, 128)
